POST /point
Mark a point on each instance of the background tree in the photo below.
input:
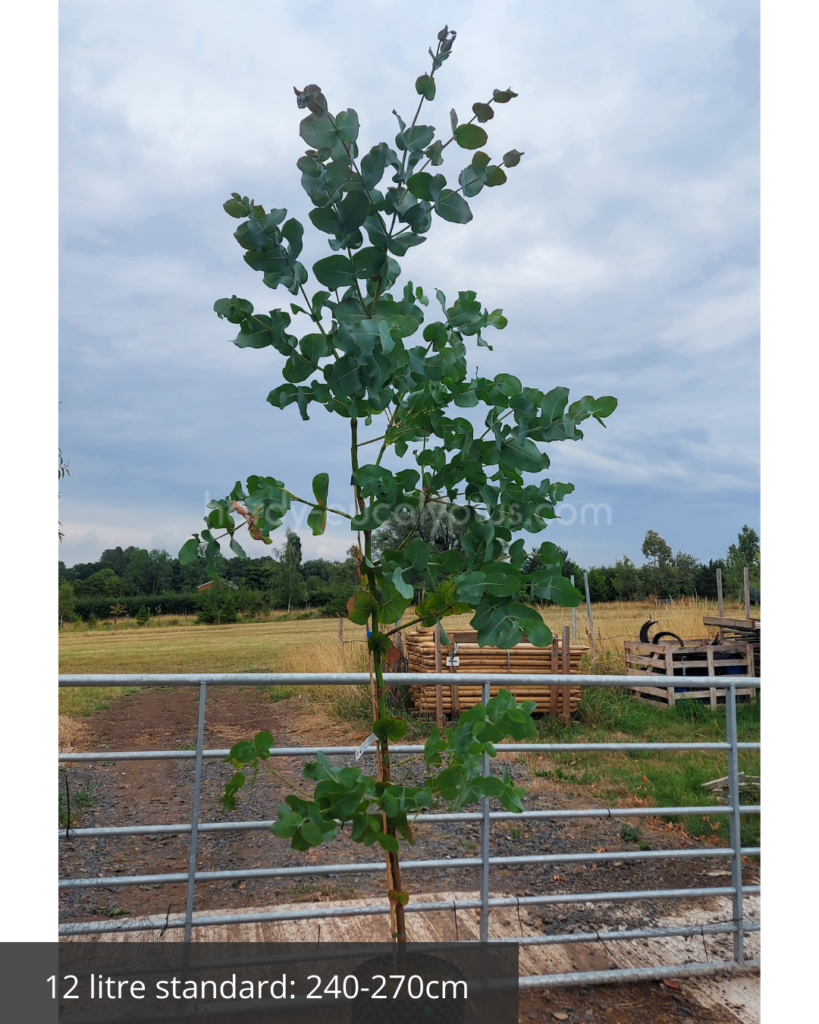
(148, 572)
(116, 559)
(656, 550)
(96, 585)
(65, 602)
(287, 584)
(601, 584)
(624, 579)
(227, 607)
(143, 615)
(117, 611)
(745, 554)
(687, 571)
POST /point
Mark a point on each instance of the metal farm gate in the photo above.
(737, 926)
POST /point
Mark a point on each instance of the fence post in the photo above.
(484, 929)
(197, 788)
(735, 819)
(439, 689)
(567, 668)
(341, 631)
(746, 586)
(574, 617)
(591, 620)
(553, 689)
(720, 604)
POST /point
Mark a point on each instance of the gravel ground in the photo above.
(157, 792)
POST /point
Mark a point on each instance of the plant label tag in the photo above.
(367, 743)
(453, 662)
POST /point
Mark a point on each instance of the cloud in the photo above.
(623, 249)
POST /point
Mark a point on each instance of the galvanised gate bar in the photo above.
(737, 927)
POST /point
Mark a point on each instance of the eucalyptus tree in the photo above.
(383, 359)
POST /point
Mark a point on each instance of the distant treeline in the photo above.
(136, 583)
(665, 574)
(124, 581)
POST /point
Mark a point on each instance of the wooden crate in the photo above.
(698, 658)
(420, 650)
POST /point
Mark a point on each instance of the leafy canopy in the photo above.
(380, 354)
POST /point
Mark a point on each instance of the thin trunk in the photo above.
(393, 861)
(397, 917)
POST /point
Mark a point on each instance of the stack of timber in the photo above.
(699, 657)
(742, 631)
(464, 654)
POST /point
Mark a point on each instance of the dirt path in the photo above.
(128, 792)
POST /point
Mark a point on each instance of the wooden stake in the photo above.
(553, 689)
(669, 671)
(574, 617)
(746, 586)
(591, 620)
(439, 690)
(720, 604)
(567, 668)
(709, 657)
(341, 629)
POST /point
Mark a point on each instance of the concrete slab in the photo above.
(740, 993)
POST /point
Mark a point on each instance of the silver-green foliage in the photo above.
(378, 352)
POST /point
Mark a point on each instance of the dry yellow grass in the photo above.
(244, 647)
(311, 645)
(616, 621)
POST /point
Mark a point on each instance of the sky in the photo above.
(624, 248)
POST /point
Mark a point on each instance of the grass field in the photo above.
(303, 643)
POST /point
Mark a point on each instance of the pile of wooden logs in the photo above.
(464, 654)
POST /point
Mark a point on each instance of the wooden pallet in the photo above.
(698, 658)
(423, 655)
(745, 631)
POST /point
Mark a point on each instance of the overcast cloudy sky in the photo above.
(623, 250)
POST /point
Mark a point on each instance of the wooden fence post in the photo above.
(574, 617)
(591, 620)
(439, 689)
(720, 604)
(567, 668)
(553, 689)
(341, 630)
(669, 671)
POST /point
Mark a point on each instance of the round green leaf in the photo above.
(189, 551)
(470, 136)
(321, 484)
(453, 207)
(495, 176)
(334, 272)
(484, 111)
(318, 132)
(368, 262)
(425, 86)
(312, 834)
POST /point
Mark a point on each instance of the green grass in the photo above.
(85, 700)
(653, 778)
